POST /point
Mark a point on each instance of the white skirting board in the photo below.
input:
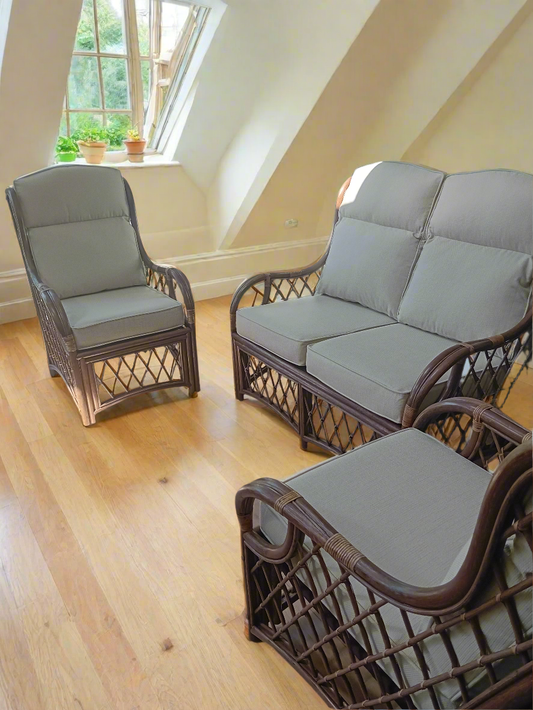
(211, 274)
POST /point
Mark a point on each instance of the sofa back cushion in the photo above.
(77, 222)
(473, 277)
(377, 236)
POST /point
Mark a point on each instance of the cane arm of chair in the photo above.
(500, 352)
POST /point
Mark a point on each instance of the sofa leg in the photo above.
(247, 633)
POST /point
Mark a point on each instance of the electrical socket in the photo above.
(291, 223)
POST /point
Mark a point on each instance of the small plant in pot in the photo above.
(66, 149)
(135, 146)
(92, 143)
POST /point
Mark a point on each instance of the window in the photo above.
(128, 64)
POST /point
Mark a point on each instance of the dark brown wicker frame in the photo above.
(100, 377)
(326, 418)
(332, 651)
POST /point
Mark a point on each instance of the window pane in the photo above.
(115, 76)
(63, 125)
(111, 26)
(145, 73)
(117, 125)
(173, 18)
(84, 121)
(143, 25)
(85, 41)
(83, 84)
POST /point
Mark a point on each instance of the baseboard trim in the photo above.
(212, 274)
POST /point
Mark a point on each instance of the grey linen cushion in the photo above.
(376, 239)
(87, 257)
(410, 505)
(473, 277)
(467, 291)
(79, 231)
(376, 368)
(105, 317)
(71, 193)
(286, 328)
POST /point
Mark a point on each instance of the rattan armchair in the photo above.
(376, 608)
(113, 327)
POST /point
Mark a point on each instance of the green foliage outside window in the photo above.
(84, 90)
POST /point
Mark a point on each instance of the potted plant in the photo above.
(135, 146)
(92, 143)
(66, 149)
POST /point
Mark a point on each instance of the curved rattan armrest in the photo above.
(451, 361)
(481, 413)
(304, 520)
(54, 308)
(268, 277)
(172, 276)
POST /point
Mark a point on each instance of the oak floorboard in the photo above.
(120, 572)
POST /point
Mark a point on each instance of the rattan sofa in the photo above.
(110, 318)
(399, 574)
(423, 293)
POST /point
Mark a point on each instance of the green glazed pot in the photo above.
(66, 157)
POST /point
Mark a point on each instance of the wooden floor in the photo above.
(120, 579)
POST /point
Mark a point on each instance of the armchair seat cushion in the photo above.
(410, 504)
(376, 368)
(109, 316)
(406, 501)
(286, 328)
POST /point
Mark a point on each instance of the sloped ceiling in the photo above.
(33, 77)
(411, 60)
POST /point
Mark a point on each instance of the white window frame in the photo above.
(160, 80)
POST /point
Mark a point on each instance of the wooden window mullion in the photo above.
(98, 62)
(134, 65)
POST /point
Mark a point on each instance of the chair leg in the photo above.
(237, 372)
(84, 395)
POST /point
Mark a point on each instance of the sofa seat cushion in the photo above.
(376, 368)
(286, 328)
(110, 316)
(377, 236)
(396, 499)
(410, 504)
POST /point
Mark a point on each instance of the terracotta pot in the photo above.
(93, 152)
(135, 150)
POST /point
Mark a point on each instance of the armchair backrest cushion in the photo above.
(78, 227)
(473, 277)
(377, 236)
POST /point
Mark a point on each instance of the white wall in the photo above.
(492, 124)
(407, 63)
(306, 40)
(171, 210)
(33, 77)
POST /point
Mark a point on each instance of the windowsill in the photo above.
(120, 160)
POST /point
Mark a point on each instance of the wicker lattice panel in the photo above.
(275, 389)
(119, 375)
(329, 425)
(295, 287)
(362, 651)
